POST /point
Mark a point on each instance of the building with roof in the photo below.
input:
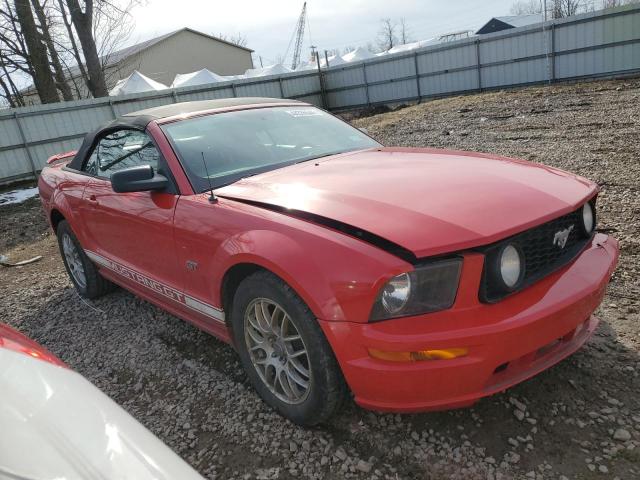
(162, 58)
(497, 24)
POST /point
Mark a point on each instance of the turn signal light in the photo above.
(440, 354)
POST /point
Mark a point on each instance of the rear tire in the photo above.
(81, 270)
(307, 388)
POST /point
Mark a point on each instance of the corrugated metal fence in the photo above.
(605, 43)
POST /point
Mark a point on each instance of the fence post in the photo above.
(323, 93)
(174, 95)
(552, 73)
(366, 83)
(113, 109)
(281, 89)
(415, 64)
(233, 88)
(478, 64)
(34, 169)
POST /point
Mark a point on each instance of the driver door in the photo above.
(131, 233)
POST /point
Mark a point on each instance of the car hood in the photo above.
(56, 425)
(427, 201)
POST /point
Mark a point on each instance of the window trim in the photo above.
(162, 161)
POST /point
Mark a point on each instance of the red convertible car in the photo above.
(416, 279)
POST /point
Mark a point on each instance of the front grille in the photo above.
(542, 254)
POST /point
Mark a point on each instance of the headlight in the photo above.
(510, 266)
(395, 293)
(588, 219)
(428, 288)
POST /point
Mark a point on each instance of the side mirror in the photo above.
(137, 179)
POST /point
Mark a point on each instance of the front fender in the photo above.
(286, 258)
(337, 276)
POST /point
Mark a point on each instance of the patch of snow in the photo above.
(17, 196)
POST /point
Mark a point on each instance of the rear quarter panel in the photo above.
(61, 189)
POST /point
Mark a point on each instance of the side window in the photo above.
(122, 149)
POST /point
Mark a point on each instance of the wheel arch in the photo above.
(316, 295)
(231, 280)
(55, 217)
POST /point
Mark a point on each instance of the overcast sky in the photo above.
(268, 24)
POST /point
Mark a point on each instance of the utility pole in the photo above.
(313, 52)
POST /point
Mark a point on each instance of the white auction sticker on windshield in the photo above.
(304, 112)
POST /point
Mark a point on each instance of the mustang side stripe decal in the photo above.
(164, 290)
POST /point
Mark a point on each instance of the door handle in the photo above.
(93, 200)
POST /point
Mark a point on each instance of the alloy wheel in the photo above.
(277, 350)
(74, 262)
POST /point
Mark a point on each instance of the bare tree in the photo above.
(38, 59)
(12, 45)
(387, 35)
(566, 8)
(56, 34)
(72, 48)
(83, 24)
(113, 24)
(404, 35)
(238, 39)
(10, 92)
(526, 7)
(14, 58)
(58, 71)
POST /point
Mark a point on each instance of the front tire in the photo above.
(284, 352)
(81, 270)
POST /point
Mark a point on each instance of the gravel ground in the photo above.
(581, 419)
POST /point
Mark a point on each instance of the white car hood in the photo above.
(54, 424)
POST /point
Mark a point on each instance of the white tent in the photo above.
(276, 69)
(306, 66)
(412, 46)
(226, 78)
(201, 77)
(333, 61)
(358, 54)
(136, 83)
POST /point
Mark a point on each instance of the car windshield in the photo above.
(220, 149)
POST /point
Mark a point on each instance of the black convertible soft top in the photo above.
(140, 119)
(139, 122)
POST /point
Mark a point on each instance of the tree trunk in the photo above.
(55, 59)
(74, 46)
(42, 77)
(83, 23)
